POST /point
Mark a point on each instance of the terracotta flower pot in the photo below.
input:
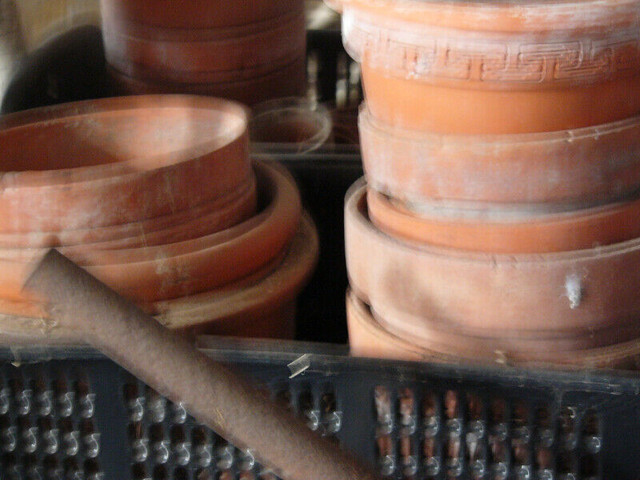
(475, 67)
(572, 166)
(594, 288)
(112, 161)
(195, 222)
(262, 306)
(367, 338)
(205, 56)
(241, 310)
(289, 80)
(247, 53)
(183, 268)
(519, 230)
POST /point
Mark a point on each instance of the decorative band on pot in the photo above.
(209, 57)
(592, 288)
(571, 166)
(512, 67)
(183, 268)
(112, 161)
(513, 231)
(368, 338)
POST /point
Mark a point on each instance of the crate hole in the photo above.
(156, 432)
(591, 423)
(199, 435)
(475, 407)
(180, 473)
(564, 462)
(590, 466)
(566, 420)
(429, 448)
(406, 406)
(328, 402)
(382, 399)
(451, 404)
(177, 434)
(135, 431)
(498, 411)
(543, 417)
(430, 406)
(203, 474)
(305, 401)
(160, 473)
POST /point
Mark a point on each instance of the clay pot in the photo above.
(113, 161)
(519, 230)
(291, 123)
(241, 310)
(288, 81)
(183, 268)
(205, 56)
(367, 338)
(261, 306)
(592, 164)
(593, 289)
(474, 67)
(249, 54)
(202, 220)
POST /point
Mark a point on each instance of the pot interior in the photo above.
(139, 138)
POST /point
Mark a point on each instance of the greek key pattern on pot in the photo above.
(447, 56)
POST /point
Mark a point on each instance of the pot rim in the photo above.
(173, 270)
(567, 168)
(85, 109)
(511, 232)
(504, 15)
(355, 209)
(364, 329)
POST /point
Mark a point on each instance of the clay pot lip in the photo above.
(283, 205)
(404, 349)
(417, 166)
(284, 282)
(490, 140)
(356, 211)
(489, 232)
(504, 16)
(240, 84)
(224, 34)
(208, 13)
(117, 171)
(243, 198)
(272, 111)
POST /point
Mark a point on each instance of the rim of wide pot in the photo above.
(116, 170)
(356, 212)
(491, 139)
(506, 16)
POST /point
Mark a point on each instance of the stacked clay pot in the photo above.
(157, 197)
(245, 51)
(500, 220)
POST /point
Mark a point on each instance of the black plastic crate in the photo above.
(71, 413)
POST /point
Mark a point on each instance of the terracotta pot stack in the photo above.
(501, 216)
(245, 51)
(155, 196)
